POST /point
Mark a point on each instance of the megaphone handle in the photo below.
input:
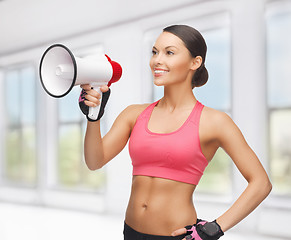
(94, 111)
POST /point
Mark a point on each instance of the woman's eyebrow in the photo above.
(170, 47)
(165, 47)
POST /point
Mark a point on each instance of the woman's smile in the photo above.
(158, 72)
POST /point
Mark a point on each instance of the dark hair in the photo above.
(196, 45)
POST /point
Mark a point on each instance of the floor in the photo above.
(22, 222)
(18, 222)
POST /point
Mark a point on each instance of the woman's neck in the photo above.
(177, 97)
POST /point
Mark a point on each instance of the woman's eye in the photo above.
(154, 52)
(170, 53)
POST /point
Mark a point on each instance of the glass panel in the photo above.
(216, 93)
(69, 155)
(13, 162)
(278, 60)
(68, 106)
(216, 178)
(29, 155)
(72, 169)
(20, 138)
(12, 88)
(280, 137)
(93, 179)
(28, 101)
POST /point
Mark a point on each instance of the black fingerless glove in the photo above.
(85, 109)
(204, 230)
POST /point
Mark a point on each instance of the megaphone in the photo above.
(60, 71)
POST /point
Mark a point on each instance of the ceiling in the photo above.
(31, 23)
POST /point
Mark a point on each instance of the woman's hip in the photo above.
(130, 234)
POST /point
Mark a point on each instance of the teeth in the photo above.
(160, 71)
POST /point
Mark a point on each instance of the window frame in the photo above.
(274, 8)
(46, 133)
(18, 68)
(58, 195)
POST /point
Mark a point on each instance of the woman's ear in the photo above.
(196, 63)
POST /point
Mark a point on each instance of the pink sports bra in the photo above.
(176, 155)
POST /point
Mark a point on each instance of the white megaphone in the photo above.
(60, 71)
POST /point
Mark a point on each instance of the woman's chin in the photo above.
(159, 82)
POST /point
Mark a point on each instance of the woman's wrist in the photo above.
(204, 230)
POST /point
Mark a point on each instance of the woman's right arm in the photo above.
(99, 151)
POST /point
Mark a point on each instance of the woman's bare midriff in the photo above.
(160, 206)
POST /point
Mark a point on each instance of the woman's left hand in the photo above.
(178, 232)
(190, 231)
(202, 230)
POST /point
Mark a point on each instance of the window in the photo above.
(71, 168)
(71, 172)
(216, 94)
(279, 100)
(20, 137)
(42, 160)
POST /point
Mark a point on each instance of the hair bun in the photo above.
(200, 77)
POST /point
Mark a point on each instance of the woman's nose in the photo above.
(158, 59)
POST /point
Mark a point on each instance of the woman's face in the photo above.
(171, 62)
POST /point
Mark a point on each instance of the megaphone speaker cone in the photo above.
(58, 70)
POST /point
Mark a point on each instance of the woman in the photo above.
(171, 142)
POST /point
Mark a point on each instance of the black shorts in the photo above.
(131, 234)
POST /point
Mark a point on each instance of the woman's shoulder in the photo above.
(215, 119)
(132, 112)
(217, 123)
(214, 115)
(136, 109)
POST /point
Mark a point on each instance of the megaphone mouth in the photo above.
(58, 57)
(117, 72)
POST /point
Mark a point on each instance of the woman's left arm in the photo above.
(259, 186)
(225, 134)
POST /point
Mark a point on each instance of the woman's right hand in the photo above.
(92, 97)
